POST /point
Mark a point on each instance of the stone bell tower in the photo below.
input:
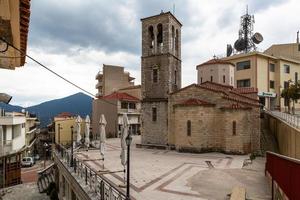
(161, 73)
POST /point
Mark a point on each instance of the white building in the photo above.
(216, 70)
(12, 132)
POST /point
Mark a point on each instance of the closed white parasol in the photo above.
(102, 124)
(87, 131)
(124, 134)
(78, 129)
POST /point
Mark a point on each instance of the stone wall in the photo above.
(288, 137)
(211, 126)
(154, 132)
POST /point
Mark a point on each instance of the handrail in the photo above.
(99, 184)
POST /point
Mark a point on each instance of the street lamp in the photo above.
(71, 163)
(128, 140)
(5, 98)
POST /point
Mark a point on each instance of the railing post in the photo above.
(75, 165)
(86, 175)
(101, 190)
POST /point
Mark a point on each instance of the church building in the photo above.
(209, 116)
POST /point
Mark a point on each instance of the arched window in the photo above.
(173, 38)
(176, 42)
(188, 127)
(234, 128)
(211, 79)
(224, 79)
(154, 75)
(175, 74)
(151, 37)
(159, 35)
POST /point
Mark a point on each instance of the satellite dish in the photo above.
(257, 38)
(229, 50)
(240, 44)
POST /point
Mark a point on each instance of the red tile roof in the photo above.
(65, 115)
(24, 8)
(121, 96)
(214, 61)
(195, 102)
(246, 90)
(236, 106)
(228, 93)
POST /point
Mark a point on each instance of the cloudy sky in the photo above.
(76, 37)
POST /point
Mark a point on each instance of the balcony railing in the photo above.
(102, 187)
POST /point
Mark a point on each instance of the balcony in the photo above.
(7, 147)
(12, 120)
(92, 183)
(99, 75)
(99, 85)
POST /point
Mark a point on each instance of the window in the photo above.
(132, 106)
(223, 79)
(155, 75)
(159, 34)
(272, 67)
(154, 114)
(124, 105)
(201, 80)
(286, 69)
(211, 78)
(272, 84)
(188, 127)
(243, 65)
(234, 128)
(243, 83)
(151, 37)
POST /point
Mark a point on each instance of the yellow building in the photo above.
(63, 123)
(14, 20)
(269, 74)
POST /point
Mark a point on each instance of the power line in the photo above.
(53, 72)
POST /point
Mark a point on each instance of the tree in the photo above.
(291, 93)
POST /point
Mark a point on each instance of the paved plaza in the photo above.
(163, 174)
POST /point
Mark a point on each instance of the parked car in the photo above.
(27, 161)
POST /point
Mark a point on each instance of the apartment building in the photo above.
(290, 50)
(62, 123)
(14, 20)
(31, 131)
(112, 78)
(269, 74)
(113, 107)
(12, 132)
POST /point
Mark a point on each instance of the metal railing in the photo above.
(102, 187)
(292, 120)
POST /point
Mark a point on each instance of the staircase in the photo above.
(45, 177)
(267, 139)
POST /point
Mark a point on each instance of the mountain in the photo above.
(10, 108)
(77, 104)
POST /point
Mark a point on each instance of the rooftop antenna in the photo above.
(173, 8)
(298, 37)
